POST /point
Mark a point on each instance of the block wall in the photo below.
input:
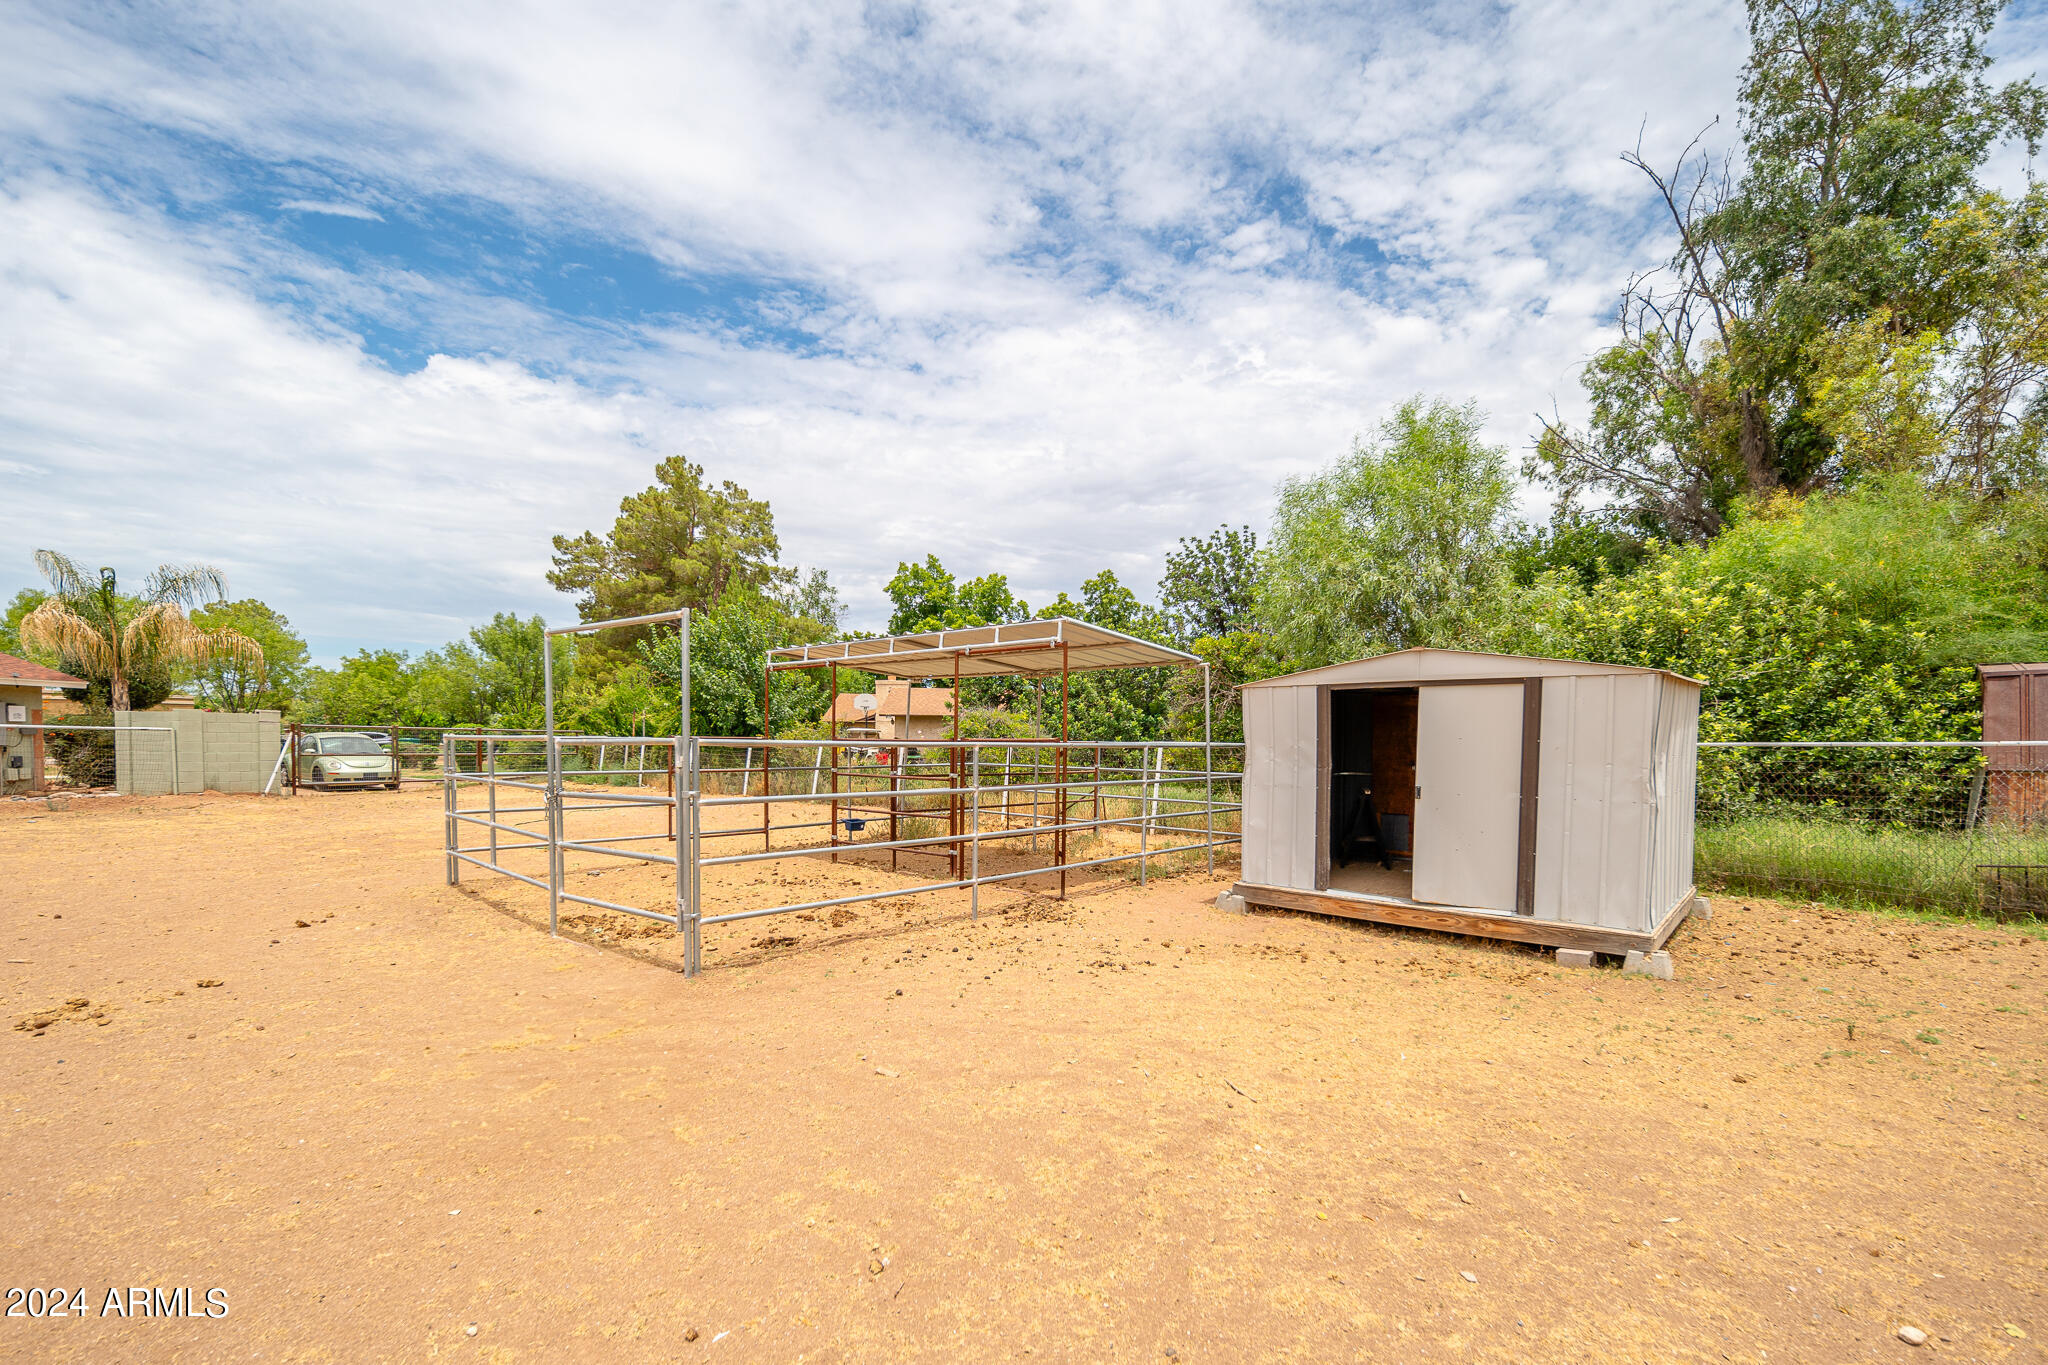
(205, 751)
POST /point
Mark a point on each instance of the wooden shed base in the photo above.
(1482, 923)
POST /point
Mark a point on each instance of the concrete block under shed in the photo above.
(1230, 903)
(1702, 909)
(1576, 957)
(1649, 964)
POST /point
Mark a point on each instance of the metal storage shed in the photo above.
(1542, 800)
(2015, 720)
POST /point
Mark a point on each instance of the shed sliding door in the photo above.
(1468, 801)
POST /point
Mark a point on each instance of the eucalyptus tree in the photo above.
(1848, 294)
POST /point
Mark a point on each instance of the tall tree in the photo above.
(24, 602)
(369, 687)
(728, 646)
(810, 597)
(1864, 123)
(1402, 542)
(1113, 704)
(491, 678)
(114, 640)
(508, 671)
(928, 597)
(231, 682)
(680, 543)
(1211, 584)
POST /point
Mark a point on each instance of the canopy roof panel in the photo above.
(1030, 648)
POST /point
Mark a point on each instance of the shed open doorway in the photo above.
(1371, 794)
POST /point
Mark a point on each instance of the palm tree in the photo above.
(99, 632)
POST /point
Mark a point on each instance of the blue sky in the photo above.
(363, 303)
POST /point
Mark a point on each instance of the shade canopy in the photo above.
(1028, 648)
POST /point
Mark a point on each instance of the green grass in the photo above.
(1860, 864)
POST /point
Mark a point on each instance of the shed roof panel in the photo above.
(1449, 665)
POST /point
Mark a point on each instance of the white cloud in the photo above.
(1059, 260)
(332, 209)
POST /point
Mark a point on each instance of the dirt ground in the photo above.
(260, 1046)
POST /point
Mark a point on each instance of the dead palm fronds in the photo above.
(104, 635)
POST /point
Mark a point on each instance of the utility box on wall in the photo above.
(1542, 800)
(21, 717)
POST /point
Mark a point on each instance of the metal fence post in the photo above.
(551, 798)
(491, 775)
(1144, 822)
(690, 767)
(552, 801)
(448, 822)
(683, 870)
(1208, 777)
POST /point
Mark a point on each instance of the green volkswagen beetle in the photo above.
(346, 760)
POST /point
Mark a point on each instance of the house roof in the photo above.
(895, 697)
(17, 670)
(1024, 647)
(1447, 665)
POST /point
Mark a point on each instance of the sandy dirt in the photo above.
(1122, 1127)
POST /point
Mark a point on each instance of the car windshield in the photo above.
(349, 744)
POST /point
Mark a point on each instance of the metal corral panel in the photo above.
(1593, 813)
(1280, 787)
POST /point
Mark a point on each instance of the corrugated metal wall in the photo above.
(2015, 707)
(1674, 783)
(1280, 787)
(1594, 818)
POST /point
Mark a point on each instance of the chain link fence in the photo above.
(1956, 827)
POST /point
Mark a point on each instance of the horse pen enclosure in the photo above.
(988, 813)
